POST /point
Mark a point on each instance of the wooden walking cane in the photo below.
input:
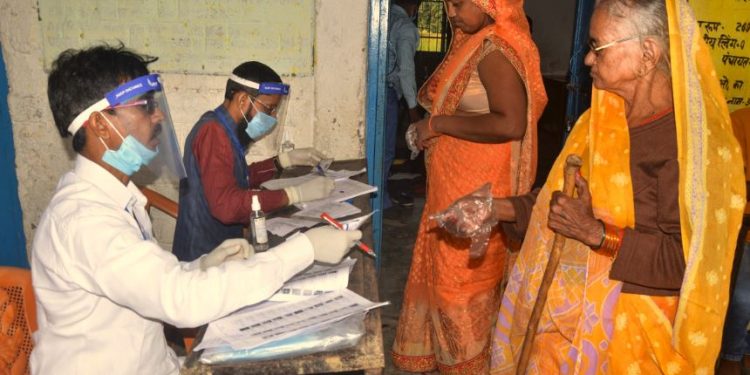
(572, 164)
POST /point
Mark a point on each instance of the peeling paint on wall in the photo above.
(190, 36)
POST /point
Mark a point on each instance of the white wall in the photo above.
(326, 108)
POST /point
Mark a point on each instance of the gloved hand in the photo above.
(300, 156)
(331, 244)
(231, 249)
(316, 188)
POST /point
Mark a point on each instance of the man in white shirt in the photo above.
(103, 286)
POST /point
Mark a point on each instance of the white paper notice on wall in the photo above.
(197, 36)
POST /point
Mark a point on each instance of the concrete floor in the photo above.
(400, 226)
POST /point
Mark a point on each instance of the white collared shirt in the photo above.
(103, 286)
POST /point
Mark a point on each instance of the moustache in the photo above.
(157, 131)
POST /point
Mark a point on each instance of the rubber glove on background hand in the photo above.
(331, 244)
(300, 156)
(231, 249)
(316, 188)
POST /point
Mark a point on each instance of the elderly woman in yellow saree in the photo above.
(642, 284)
(484, 99)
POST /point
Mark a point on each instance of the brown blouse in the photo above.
(650, 260)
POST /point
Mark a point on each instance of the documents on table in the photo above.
(269, 321)
(335, 209)
(309, 217)
(281, 183)
(344, 174)
(315, 281)
(281, 226)
(354, 224)
(342, 190)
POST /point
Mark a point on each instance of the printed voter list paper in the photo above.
(271, 321)
(315, 281)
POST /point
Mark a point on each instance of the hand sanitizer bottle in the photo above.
(258, 233)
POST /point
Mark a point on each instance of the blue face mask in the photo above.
(260, 125)
(131, 155)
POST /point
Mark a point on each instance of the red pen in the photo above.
(366, 249)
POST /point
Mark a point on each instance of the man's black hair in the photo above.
(80, 78)
(251, 71)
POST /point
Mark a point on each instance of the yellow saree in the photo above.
(588, 326)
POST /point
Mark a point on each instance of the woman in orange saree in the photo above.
(597, 320)
(484, 99)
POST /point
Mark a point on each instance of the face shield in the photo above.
(272, 100)
(141, 108)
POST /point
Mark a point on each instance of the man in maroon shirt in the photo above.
(216, 195)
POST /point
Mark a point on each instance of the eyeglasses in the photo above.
(150, 103)
(268, 109)
(596, 49)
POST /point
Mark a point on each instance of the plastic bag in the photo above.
(470, 217)
(411, 141)
(340, 335)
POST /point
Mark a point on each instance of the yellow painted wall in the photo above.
(725, 26)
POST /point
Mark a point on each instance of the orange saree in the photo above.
(450, 302)
(588, 326)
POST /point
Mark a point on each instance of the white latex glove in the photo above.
(331, 244)
(231, 249)
(316, 188)
(300, 156)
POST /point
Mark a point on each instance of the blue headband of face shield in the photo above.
(121, 94)
(264, 88)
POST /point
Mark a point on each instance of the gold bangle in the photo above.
(429, 124)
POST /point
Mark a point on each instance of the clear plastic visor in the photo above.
(272, 99)
(141, 107)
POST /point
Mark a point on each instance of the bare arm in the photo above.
(507, 101)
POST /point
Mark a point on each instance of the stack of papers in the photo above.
(342, 190)
(335, 209)
(266, 322)
(281, 183)
(283, 226)
(307, 302)
(315, 281)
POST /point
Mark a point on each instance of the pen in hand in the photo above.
(330, 220)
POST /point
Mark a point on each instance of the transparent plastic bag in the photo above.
(470, 217)
(411, 141)
(343, 334)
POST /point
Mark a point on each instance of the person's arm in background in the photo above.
(227, 201)
(407, 43)
(506, 96)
